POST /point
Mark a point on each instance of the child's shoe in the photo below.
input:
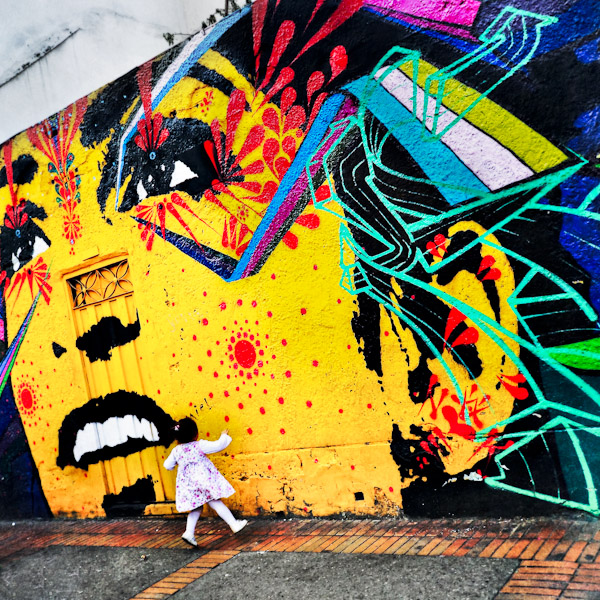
(238, 525)
(189, 539)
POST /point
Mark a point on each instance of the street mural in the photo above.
(363, 235)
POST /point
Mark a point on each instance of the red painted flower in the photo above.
(36, 276)
(225, 162)
(155, 215)
(53, 138)
(236, 235)
(15, 216)
(151, 134)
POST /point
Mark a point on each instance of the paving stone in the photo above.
(271, 576)
(86, 573)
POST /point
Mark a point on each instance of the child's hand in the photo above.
(225, 432)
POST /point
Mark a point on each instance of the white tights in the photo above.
(218, 507)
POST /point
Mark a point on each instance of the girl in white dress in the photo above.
(198, 480)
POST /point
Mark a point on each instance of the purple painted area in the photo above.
(296, 192)
(456, 12)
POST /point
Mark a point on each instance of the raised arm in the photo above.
(212, 447)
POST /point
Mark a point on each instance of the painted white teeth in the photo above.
(101, 436)
(146, 431)
(113, 432)
(128, 425)
(86, 441)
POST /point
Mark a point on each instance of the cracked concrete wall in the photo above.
(57, 51)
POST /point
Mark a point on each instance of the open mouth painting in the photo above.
(117, 424)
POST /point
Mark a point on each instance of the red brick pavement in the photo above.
(557, 558)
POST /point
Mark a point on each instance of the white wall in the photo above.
(55, 51)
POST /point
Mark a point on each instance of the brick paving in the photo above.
(558, 558)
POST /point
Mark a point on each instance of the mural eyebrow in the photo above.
(98, 341)
(24, 168)
(211, 78)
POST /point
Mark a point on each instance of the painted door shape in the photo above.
(99, 293)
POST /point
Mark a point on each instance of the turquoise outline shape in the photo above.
(501, 32)
(499, 481)
(524, 196)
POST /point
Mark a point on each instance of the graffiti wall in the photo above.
(362, 235)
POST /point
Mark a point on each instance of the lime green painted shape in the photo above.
(581, 355)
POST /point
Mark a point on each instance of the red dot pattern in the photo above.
(28, 400)
(242, 359)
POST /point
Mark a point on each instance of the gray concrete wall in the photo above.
(56, 51)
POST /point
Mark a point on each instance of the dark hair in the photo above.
(185, 430)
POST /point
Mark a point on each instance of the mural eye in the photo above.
(181, 173)
(152, 155)
(141, 191)
(40, 245)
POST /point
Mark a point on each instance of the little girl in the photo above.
(198, 480)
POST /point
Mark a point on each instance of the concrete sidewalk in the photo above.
(144, 559)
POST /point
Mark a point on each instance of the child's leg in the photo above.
(192, 519)
(222, 511)
(225, 514)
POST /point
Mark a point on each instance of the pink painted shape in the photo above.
(457, 12)
(449, 29)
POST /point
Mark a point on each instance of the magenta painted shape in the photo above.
(453, 30)
(457, 12)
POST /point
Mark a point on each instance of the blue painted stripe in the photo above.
(309, 145)
(210, 40)
(454, 180)
(216, 261)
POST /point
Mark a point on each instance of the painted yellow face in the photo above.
(272, 357)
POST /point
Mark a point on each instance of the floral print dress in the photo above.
(198, 480)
